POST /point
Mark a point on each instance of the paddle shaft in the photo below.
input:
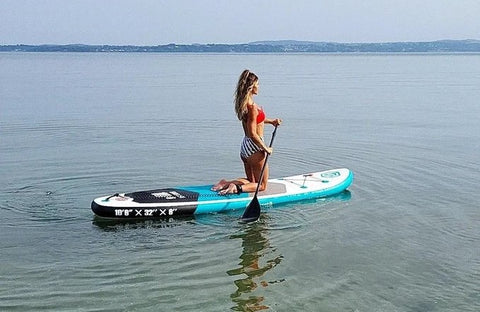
(252, 212)
(265, 163)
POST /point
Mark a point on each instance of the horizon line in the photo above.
(258, 42)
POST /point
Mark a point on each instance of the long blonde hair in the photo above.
(244, 86)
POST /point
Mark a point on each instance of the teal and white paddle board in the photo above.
(192, 200)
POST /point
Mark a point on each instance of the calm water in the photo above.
(406, 237)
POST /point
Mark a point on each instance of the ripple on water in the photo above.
(54, 200)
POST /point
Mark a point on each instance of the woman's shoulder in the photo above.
(251, 112)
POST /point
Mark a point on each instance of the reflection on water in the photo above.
(258, 256)
(114, 225)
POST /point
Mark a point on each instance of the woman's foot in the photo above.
(220, 185)
(230, 189)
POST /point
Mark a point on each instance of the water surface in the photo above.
(405, 237)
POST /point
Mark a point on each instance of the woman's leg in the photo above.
(255, 164)
(253, 167)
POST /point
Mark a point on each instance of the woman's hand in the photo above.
(269, 150)
(276, 122)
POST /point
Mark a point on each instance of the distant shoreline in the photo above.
(282, 46)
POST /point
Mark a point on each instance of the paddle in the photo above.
(252, 212)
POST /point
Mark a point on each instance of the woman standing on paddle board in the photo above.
(253, 149)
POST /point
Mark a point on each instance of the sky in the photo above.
(158, 22)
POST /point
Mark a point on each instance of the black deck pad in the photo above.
(168, 195)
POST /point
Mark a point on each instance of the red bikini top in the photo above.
(260, 116)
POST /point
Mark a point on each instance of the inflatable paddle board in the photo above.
(191, 200)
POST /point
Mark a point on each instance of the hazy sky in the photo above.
(154, 22)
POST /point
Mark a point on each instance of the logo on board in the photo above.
(331, 174)
(171, 195)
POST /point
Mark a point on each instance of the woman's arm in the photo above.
(275, 122)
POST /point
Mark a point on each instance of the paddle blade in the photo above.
(252, 213)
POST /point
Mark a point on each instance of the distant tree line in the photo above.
(263, 47)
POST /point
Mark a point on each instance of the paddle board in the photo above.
(191, 200)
